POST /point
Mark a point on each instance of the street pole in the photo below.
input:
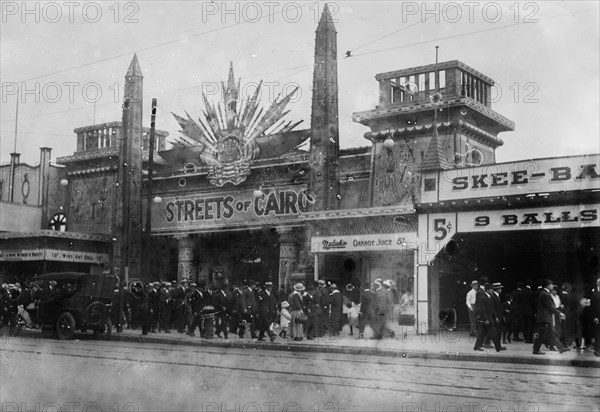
(148, 230)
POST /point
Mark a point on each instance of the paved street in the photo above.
(45, 374)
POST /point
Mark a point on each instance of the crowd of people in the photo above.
(298, 312)
(558, 318)
(17, 299)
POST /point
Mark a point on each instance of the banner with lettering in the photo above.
(513, 178)
(60, 255)
(554, 217)
(229, 209)
(386, 241)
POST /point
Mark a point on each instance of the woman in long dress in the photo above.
(297, 309)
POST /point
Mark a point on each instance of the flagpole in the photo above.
(437, 90)
(16, 125)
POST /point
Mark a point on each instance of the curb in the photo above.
(408, 354)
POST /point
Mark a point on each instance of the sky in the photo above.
(65, 62)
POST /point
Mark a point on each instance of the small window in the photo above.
(431, 80)
(430, 184)
(58, 222)
(442, 79)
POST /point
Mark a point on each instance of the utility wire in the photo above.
(185, 38)
(306, 66)
(471, 33)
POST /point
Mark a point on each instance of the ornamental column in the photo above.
(185, 264)
(288, 255)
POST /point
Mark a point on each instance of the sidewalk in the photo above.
(443, 345)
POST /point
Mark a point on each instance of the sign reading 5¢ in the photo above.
(441, 227)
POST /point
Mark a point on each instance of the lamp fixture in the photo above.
(388, 142)
(258, 192)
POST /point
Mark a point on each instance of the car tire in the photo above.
(103, 330)
(65, 326)
(95, 312)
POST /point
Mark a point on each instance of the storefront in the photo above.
(509, 222)
(25, 254)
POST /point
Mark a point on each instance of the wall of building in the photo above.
(27, 182)
(91, 203)
(19, 217)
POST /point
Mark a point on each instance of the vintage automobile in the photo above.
(70, 301)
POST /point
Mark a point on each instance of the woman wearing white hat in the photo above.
(297, 311)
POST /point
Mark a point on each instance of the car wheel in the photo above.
(65, 326)
(103, 330)
(94, 313)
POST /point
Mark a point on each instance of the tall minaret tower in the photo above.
(324, 139)
(128, 222)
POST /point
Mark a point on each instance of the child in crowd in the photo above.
(285, 318)
(353, 311)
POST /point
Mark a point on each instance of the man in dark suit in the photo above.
(546, 309)
(165, 308)
(153, 302)
(485, 315)
(527, 310)
(595, 315)
(321, 299)
(379, 310)
(222, 304)
(250, 308)
(311, 312)
(267, 311)
(516, 307)
(194, 301)
(237, 309)
(336, 301)
(366, 309)
(498, 307)
(178, 296)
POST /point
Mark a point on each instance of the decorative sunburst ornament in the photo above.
(231, 134)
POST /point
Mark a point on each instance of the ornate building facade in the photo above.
(423, 203)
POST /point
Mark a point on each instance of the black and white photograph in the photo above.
(294, 206)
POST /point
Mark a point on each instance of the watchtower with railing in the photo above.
(437, 116)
